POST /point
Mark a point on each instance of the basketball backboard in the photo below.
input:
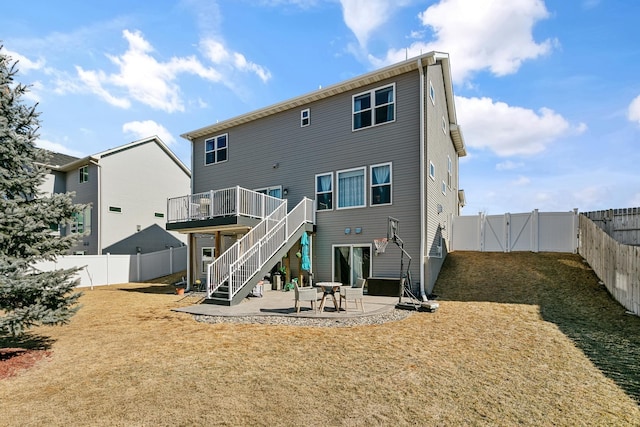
(392, 228)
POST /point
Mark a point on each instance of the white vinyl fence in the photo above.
(534, 231)
(109, 269)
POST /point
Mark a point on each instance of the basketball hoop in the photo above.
(381, 245)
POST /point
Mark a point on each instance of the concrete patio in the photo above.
(282, 303)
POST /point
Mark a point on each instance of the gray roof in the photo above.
(59, 159)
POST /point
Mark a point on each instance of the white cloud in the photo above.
(25, 64)
(147, 128)
(141, 77)
(633, 113)
(522, 180)
(57, 148)
(495, 36)
(508, 130)
(364, 16)
(218, 53)
(509, 165)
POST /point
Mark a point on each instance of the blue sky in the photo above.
(547, 92)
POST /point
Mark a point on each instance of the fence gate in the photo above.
(533, 231)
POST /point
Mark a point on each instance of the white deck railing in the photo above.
(238, 264)
(220, 203)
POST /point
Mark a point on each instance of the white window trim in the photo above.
(215, 149)
(333, 191)
(432, 93)
(302, 118)
(444, 188)
(364, 188)
(449, 172)
(444, 125)
(390, 184)
(372, 93)
(81, 174)
(432, 171)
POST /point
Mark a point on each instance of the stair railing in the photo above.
(255, 249)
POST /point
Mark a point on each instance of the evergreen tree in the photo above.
(29, 297)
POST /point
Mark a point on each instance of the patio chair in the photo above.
(354, 293)
(306, 293)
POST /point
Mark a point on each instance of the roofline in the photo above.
(96, 157)
(403, 67)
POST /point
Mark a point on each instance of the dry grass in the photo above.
(519, 339)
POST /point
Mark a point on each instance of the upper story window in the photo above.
(305, 117)
(83, 172)
(324, 191)
(351, 188)
(374, 107)
(444, 125)
(449, 171)
(381, 184)
(444, 188)
(432, 93)
(215, 149)
(432, 171)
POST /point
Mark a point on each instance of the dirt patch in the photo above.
(14, 360)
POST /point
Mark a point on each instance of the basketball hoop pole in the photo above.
(393, 236)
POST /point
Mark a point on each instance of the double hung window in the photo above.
(381, 184)
(374, 107)
(83, 172)
(324, 191)
(215, 149)
(351, 188)
(305, 117)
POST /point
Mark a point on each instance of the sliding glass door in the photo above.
(351, 262)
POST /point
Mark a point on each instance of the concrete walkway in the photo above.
(280, 303)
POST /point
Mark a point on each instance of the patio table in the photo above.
(329, 288)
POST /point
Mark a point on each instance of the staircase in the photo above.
(232, 276)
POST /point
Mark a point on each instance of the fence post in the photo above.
(535, 226)
(108, 262)
(507, 232)
(170, 259)
(138, 267)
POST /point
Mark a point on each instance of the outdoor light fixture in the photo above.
(285, 191)
(276, 165)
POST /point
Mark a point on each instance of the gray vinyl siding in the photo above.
(86, 193)
(328, 145)
(439, 146)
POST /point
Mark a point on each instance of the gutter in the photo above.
(423, 295)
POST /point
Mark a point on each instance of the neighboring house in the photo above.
(385, 144)
(126, 189)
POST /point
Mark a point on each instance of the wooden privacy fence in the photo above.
(616, 264)
(621, 224)
(533, 231)
(109, 269)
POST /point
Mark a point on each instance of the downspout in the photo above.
(423, 198)
(93, 162)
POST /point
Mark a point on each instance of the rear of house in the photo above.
(385, 144)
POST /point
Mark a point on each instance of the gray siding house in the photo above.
(384, 144)
(126, 189)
